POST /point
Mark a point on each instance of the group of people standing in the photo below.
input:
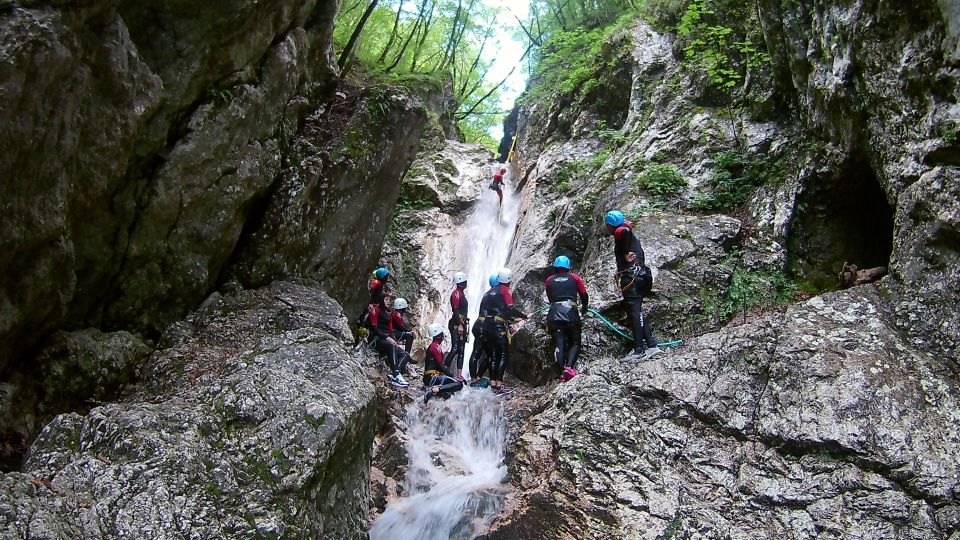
(388, 334)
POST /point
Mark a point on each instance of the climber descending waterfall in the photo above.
(455, 445)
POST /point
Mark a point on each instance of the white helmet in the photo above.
(435, 330)
(400, 303)
(459, 278)
(504, 275)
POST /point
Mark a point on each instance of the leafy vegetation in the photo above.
(662, 180)
(425, 46)
(750, 290)
(735, 176)
(723, 50)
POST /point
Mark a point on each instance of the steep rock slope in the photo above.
(817, 423)
(830, 417)
(158, 150)
(239, 431)
(880, 81)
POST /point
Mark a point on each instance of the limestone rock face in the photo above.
(892, 103)
(572, 171)
(327, 215)
(157, 150)
(820, 420)
(73, 370)
(256, 420)
(153, 145)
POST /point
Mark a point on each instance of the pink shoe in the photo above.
(568, 373)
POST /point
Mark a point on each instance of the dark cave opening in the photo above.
(843, 218)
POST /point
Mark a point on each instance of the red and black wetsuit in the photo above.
(497, 185)
(633, 290)
(400, 331)
(458, 328)
(382, 326)
(377, 288)
(436, 373)
(497, 308)
(563, 319)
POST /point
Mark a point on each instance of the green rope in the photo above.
(613, 327)
(610, 324)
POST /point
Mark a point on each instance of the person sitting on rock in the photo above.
(401, 333)
(459, 322)
(634, 279)
(497, 184)
(482, 342)
(377, 287)
(563, 317)
(498, 311)
(439, 379)
(381, 340)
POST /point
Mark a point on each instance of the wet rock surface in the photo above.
(255, 420)
(815, 422)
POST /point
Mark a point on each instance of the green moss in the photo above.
(316, 422)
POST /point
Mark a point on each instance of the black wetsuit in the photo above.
(382, 328)
(436, 373)
(563, 319)
(400, 331)
(498, 311)
(458, 328)
(482, 340)
(632, 288)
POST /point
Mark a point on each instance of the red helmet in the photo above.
(503, 170)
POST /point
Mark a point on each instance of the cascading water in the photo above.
(455, 446)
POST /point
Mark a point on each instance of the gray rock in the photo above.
(255, 421)
(74, 371)
(818, 421)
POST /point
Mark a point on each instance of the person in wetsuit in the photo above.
(482, 341)
(439, 379)
(381, 339)
(377, 286)
(401, 333)
(498, 312)
(563, 318)
(497, 184)
(459, 322)
(633, 278)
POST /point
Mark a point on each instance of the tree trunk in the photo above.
(348, 50)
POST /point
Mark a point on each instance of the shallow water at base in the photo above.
(455, 469)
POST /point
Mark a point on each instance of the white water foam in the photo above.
(456, 446)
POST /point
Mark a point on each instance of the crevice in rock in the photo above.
(843, 218)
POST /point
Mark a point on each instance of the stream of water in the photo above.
(455, 447)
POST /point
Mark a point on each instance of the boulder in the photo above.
(819, 419)
(255, 420)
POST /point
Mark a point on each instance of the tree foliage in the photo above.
(722, 38)
(446, 40)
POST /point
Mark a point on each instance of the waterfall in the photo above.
(485, 245)
(455, 447)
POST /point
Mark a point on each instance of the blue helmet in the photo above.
(614, 218)
(562, 262)
(493, 280)
(381, 273)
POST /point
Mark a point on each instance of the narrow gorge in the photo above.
(196, 194)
